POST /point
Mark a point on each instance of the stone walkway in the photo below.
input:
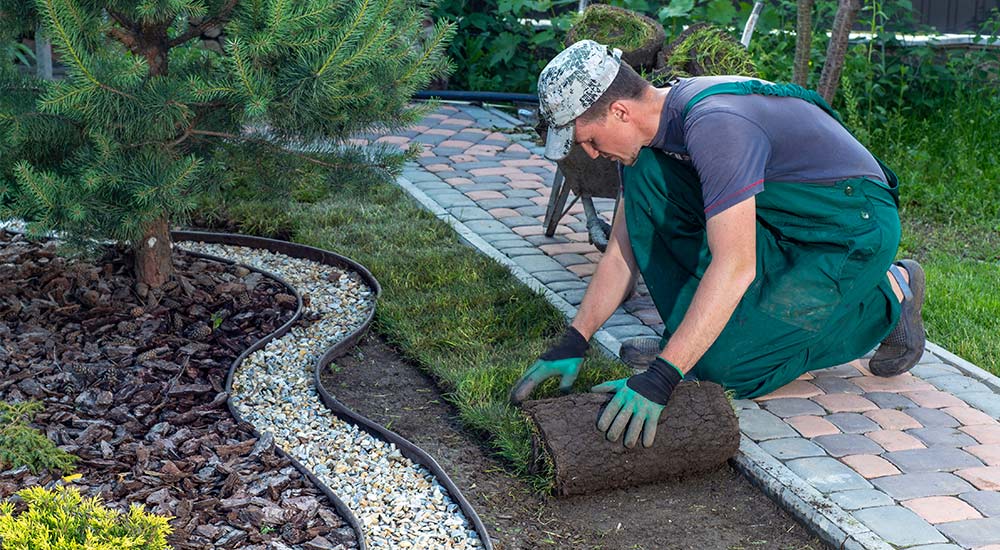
(868, 463)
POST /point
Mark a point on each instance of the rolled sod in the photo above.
(698, 432)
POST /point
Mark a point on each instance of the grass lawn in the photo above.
(475, 328)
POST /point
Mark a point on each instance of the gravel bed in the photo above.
(399, 503)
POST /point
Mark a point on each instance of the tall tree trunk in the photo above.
(847, 13)
(153, 255)
(153, 259)
(803, 42)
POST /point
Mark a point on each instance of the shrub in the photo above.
(62, 519)
(20, 445)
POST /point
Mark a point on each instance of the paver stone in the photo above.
(987, 502)
(907, 486)
(941, 509)
(842, 402)
(942, 437)
(835, 384)
(972, 533)
(847, 444)
(960, 383)
(870, 466)
(933, 370)
(827, 475)
(861, 498)
(969, 416)
(989, 454)
(852, 423)
(932, 418)
(934, 399)
(786, 407)
(761, 425)
(901, 383)
(812, 426)
(989, 402)
(891, 419)
(899, 526)
(986, 478)
(795, 388)
(886, 400)
(846, 370)
(894, 440)
(788, 448)
(934, 459)
(985, 434)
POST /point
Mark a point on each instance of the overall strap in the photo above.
(756, 87)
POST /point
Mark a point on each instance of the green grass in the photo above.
(949, 166)
(459, 315)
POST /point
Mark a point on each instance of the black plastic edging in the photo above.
(338, 504)
(406, 448)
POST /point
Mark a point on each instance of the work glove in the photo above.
(638, 402)
(562, 359)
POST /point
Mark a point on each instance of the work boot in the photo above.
(640, 351)
(904, 346)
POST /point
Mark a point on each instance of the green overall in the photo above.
(821, 296)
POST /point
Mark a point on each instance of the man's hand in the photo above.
(638, 402)
(563, 360)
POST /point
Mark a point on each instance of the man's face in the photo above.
(611, 138)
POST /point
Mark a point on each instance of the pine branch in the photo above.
(219, 19)
(361, 11)
(303, 156)
(128, 34)
(67, 44)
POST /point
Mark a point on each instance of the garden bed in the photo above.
(717, 510)
(133, 383)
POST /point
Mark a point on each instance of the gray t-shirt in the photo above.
(737, 142)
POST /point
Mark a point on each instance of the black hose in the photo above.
(465, 95)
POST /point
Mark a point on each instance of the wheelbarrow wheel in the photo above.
(557, 203)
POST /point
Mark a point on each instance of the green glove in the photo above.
(562, 360)
(638, 402)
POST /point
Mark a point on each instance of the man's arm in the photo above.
(732, 239)
(612, 281)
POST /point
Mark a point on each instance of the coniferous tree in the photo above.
(115, 149)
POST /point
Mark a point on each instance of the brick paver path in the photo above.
(911, 461)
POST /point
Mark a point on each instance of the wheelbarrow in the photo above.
(586, 178)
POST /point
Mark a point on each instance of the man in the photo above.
(763, 229)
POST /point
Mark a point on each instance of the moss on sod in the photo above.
(613, 27)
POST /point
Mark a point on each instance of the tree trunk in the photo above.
(698, 432)
(153, 256)
(836, 51)
(803, 43)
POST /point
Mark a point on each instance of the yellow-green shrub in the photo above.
(62, 519)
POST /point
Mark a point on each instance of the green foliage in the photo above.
(21, 445)
(124, 139)
(61, 519)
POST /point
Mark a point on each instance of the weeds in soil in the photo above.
(22, 445)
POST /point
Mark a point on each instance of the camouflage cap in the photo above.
(569, 85)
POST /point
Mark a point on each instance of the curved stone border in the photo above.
(406, 448)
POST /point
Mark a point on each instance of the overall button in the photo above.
(849, 190)
(865, 215)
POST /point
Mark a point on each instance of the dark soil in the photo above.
(133, 383)
(719, 510)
